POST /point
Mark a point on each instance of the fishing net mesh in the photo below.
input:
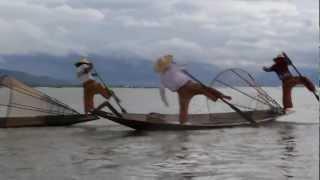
(246, 94)
(20, 100)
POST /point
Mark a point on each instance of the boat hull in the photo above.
(195, 122)
(16, 122)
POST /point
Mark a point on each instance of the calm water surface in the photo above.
(284, 150)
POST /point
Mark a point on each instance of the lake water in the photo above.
(285, 150)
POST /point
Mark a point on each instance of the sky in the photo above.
(242, 33)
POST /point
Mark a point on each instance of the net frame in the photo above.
(15, 87)
(261, 98)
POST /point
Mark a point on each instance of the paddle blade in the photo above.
(109, 106)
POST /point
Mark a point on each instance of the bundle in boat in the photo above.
(21, 106)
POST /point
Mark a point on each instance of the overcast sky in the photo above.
(221, 32)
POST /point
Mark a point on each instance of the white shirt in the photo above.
(82, 75)
(173, 78)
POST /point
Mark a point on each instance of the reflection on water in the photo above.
(271, 152)
(298, 149)
(277, 151)
(290, 153)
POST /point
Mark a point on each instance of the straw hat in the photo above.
(162, 64)
(83, 60)
(280, 55)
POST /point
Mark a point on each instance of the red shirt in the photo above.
(281, 67)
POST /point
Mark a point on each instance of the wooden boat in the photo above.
(250, 105)
(24, 106)
(156, 121)
(61, 120)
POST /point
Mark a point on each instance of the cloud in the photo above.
(37, 28)
(231, 32)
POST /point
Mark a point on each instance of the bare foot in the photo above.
(182, 122)
(288, 110)
(227, 97)
(88, 114)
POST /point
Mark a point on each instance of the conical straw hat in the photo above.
(162, 64)
(83, 60)
(280, 55)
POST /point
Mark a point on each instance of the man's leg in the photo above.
(184, 101)
(291, 82)
(216, 93)
(209, 92)
(307, 83)
(102, 90)
(287, 86)
(88, 100)
(85, 100)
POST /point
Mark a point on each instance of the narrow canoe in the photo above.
(195, 121)
(61, 120)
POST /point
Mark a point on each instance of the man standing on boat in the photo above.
(281, 67)
(173, 78)
(90, 86)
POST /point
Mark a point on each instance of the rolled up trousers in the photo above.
(288, 83)
(91, 88)
(188, 91)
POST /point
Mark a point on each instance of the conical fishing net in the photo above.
(246, 94)
(20, 100)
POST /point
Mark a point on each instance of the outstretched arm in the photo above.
(267, 69)
(163, 95)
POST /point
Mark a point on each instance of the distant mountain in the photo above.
(115, 70)
(33, 80)
(271, 79)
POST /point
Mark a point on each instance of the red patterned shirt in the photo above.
(281, 67)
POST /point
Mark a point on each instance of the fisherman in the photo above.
(173, 78)
(281, 67)
(90, 86)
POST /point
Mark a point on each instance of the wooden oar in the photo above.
(244, 115)
(298, 72)
(112, 109)
(118, 101)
